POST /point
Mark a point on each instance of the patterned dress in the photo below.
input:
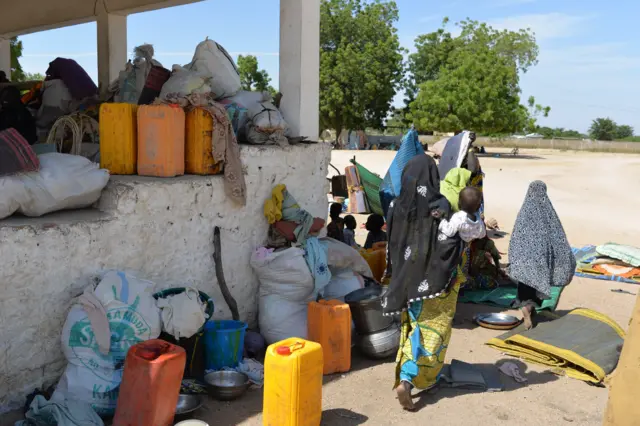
(425, 334)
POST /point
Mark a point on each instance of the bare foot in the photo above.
(404, 396)
(526, 316)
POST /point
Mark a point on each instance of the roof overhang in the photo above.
(21, 17)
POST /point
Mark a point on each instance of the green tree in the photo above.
(623, 131)
(361, 63)
(252, 78)
(33, 76)
(603, 129)
(17, 74)
(472, 81)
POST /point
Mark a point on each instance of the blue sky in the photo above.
(589, 49)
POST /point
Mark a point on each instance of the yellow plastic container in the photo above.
(377, 260)
(198, 151)
(329, 323)
(119, 138)
(293, 384)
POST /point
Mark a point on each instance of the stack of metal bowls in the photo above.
(378, 336)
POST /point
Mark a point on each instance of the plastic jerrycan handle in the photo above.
(152, 351)
(289, 349)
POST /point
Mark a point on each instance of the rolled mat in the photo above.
(582, 344)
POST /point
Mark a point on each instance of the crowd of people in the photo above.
(438, 246)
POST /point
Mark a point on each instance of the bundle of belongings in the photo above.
(612, 262)
(211, 76)
(582, 344)
(298, 266)
(37, 185)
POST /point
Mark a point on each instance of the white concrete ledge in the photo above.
(160, 227)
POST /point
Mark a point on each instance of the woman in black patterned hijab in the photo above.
(540, 256)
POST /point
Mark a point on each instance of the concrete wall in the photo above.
(561, 144)
(160, 227)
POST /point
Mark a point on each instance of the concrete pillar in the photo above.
(5, 57)
(300, 65)
(112, 47)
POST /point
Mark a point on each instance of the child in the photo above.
(336, 227)
(349, 231)
(374, 225)
(466, 223)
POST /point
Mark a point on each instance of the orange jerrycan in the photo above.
(150, 384)
(161, 133)
(329, 323)
(377, 260)
(293, 384)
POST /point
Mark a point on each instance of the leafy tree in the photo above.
(252, 78)
(17, 74)
(472, 81)
(33, 76)
(559, 132)
(624, 131)
(361, 63)
(603, 129)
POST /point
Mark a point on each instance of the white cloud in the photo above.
(545, 25)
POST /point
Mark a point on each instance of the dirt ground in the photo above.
(594, 195)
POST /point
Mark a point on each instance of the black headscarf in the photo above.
(420, 265)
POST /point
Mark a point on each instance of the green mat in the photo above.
(371, 183)
(505, 296)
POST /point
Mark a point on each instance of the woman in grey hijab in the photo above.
(539, 254)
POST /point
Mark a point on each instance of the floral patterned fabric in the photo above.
(425, 334)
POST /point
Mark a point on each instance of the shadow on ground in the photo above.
(507, 156)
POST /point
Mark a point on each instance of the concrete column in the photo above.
(5, 57)
(112, 47)
(300, 65)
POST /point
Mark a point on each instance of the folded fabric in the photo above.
(589, 262)
(583, 344)
(628, 254)
(513, 371)
(60, 413)
(98, 318)
(183, 314)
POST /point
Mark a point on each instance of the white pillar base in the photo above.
(300, 66)
(112, 48)
(5, 57)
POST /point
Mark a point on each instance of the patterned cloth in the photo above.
(627, 254)
(223, 141)
(16, 155)
(539, 253)
(425, 333)
(422, 265)
(392, 183)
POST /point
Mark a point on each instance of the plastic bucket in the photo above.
(223, 343)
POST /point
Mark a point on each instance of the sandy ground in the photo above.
(594, 196)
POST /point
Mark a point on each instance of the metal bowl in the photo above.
(226, 385)
(497, 321)
(188, 403)
(381, 344)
